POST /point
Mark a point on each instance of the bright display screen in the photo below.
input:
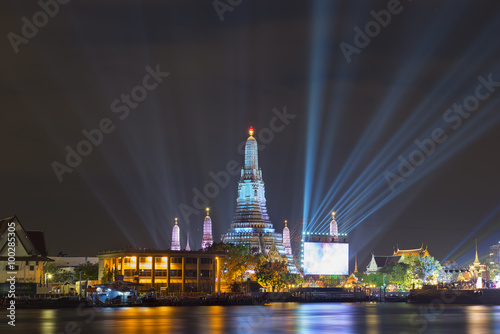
(326, 258)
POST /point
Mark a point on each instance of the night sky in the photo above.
(355, 116)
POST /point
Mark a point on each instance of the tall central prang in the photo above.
(251, 210)
(251, 224)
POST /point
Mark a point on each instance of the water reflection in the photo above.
(133, 320)
(216, 320)
(478, 319)
(274, 318)
(338, 318)
(281, 316)
(495, 318)
(372, 320)
(48, 319)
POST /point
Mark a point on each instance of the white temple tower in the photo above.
(286, 240)
(208, 240)
(176, 239)
(334, 230)
(188, 248)
(251, 224)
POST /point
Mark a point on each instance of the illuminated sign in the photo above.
(326, 258)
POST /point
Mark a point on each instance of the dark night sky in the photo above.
(227, 75)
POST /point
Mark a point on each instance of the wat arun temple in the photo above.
(251, 224)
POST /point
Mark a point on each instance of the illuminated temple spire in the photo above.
(476, 261)
(251, 224)
(334, 230)
(207, 232)
(251, 153)
(176, 240)
(251, 210)
(286, 240)
(188, 248)
(355, 263)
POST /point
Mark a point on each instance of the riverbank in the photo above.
(267, 298)
(458, 296)
(303, 295)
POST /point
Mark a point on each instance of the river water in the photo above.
(274, 318)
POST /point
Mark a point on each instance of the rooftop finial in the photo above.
(476, 260)
(175, 220)
(285, 223)
(334, 229)
(208, 211)
(188, 248)
(250, 131)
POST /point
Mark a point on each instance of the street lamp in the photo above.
(80, 281)
(218, 275)
(49, 276)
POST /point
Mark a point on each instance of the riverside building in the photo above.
(166, 270)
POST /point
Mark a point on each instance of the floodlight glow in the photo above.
(367, 192)
(463, 255)
(370, 192)
(319, 54)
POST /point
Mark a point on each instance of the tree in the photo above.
(376, 279)
(59, 275)
(272, 273)
(423, 268)
(237, 261)
(50, 268)
(451, 271)
(108, 275)
(292, 279)
(331, 281)
(235, 287)
(89, 270)
(398, 274)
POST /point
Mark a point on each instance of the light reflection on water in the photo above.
(372, 319)
(49, 321)
(478, 319)
(275, 318)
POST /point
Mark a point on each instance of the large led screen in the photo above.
(326, 258)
